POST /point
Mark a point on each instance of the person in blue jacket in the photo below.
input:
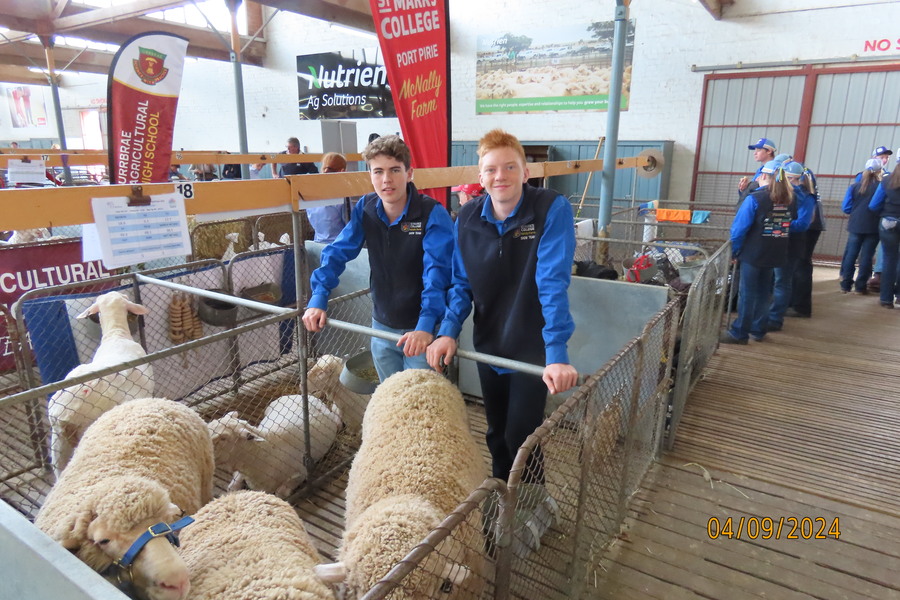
(759, 240)
(409, 237)
(805, 202)
(512, 260)
(862, 228)
(763, 151)
(328, 221)
(801, 288)
(886, 202)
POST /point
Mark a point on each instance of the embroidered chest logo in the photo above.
(412, 227)
(525, 232)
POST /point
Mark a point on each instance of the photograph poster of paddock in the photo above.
(549, 70)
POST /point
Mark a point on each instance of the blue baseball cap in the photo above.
(763, 143)
(783, 158)
(770, 167)
(793, 169)
(882, 150)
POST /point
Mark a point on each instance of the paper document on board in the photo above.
(134, 234)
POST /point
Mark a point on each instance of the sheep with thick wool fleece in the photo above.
(71, 410)
(324, 382)
(251, 546)
(417, 462)
(270, 456)
(139, 464)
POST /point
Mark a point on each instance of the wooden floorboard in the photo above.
(805, 424)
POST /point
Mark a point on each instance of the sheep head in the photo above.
(394, 526)
(229, 434)
(109, 520)
(114, 308)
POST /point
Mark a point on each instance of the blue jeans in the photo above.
(859, 246)
(781, 292)
(753, 302)
(890, 243)
(879, 258)
(388, 356)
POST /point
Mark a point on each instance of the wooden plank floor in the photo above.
(803, 424)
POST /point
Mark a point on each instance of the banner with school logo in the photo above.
(414, 35)
(24, 268)
(144, 83)
(344, 85)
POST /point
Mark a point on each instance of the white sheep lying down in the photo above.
(416, 464)
(270, 456)
(251, 546)
(71, 410)
(324, 382)
(141, 463)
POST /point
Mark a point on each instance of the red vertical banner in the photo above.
(144, 83)
(414, 38)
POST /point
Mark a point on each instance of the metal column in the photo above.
(612, 119)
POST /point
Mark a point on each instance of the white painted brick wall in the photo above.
(672, 35)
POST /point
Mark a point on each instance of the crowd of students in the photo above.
(777, 225)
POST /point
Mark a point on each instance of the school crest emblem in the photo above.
(150, 66)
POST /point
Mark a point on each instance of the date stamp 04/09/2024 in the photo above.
(774, 528)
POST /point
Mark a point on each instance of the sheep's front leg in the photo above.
(237, 482)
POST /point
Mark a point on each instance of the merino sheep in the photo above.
(251, 546)
(71, 410)
(141, 463)
(324, 382)
(416, 464)
(271, 456)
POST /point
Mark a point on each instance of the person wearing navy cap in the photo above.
(883, 154)
(763, 151)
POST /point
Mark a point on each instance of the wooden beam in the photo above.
(89, 61)
(59, 8)
(19, 74)
(116, 12)
(52, 207)
(350, 13)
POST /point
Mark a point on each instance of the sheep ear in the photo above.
(455, 572)
(135, 308)
(93, 309)
(331, 572)
(76, 528)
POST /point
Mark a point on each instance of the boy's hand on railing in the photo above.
(441, 352)
(415, 342)
(314, 319)
(560, 377)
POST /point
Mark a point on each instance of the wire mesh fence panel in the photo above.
(703, 311)
(222, 239)
(453, 561)
(272, 229)
(654, 379)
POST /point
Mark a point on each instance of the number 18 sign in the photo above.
(134, 234)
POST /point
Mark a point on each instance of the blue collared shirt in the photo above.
(555, 253)
(437, 244)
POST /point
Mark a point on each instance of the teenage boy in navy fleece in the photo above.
(513, 259)
(409, 237)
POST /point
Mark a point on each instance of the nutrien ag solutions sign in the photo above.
(344, 85)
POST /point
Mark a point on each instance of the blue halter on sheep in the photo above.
(123, 565)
